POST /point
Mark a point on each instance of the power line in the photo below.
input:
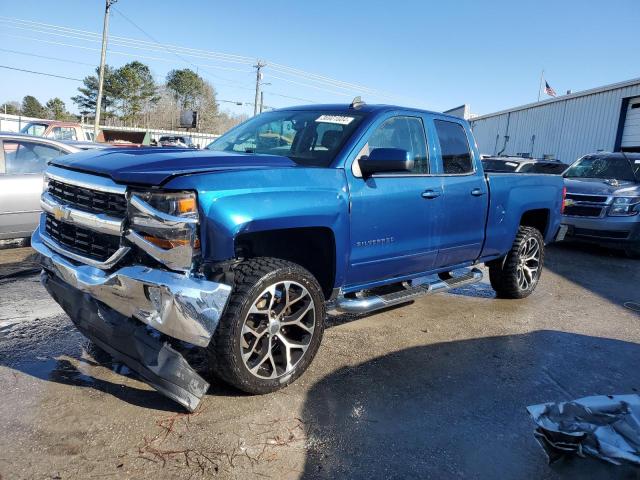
(145, 45)
(129, 42)
(180, 57)
(236, 102)
(46, 57)
(40, 73)
(155, 45)
(234, 84)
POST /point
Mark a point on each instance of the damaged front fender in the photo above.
(132, 343)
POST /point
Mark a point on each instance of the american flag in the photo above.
(548, 90)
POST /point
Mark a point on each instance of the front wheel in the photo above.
(517, 274)
(272, 327)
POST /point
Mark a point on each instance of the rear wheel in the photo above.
(517, 274)
(272, 327)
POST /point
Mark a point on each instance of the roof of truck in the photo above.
(365, 107)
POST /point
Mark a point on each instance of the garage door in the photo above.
(631, 132)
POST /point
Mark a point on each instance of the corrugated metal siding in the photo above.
(566, 129)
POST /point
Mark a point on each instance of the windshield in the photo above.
(36, 129)
(614, 168)
(311, 138)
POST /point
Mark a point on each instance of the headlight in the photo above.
(178, 204)
(165, 225)
(624, 206)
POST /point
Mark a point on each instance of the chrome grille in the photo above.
(81, 241)
(94, 201)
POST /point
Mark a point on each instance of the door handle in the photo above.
(477, 192)
(430, 194)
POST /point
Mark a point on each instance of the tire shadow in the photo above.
(457, 409)
(607, 273)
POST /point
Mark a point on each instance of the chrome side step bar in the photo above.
(372, 303)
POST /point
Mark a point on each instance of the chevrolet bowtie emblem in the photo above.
(59, 213)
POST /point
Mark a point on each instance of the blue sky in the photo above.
(430, 54)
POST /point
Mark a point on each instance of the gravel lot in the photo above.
(434, 389)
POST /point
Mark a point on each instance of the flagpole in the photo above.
(540, 86)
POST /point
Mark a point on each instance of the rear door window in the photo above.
(26, 157)
(454, 147)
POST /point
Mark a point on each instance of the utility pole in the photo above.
(258, 66)
(261, 101)
(103, 56)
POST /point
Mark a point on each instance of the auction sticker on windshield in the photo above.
(339, 119)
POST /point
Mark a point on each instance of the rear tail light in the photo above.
(564, 196)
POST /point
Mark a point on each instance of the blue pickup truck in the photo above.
(242, 249)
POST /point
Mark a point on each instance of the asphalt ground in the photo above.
(434, 389)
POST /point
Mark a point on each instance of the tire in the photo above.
(257, 347)
(513, 276)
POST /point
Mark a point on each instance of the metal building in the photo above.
(566, 127)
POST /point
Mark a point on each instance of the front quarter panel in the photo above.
(233, 203)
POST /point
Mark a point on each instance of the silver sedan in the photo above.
(22, 160)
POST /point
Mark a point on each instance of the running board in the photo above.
(372, 303)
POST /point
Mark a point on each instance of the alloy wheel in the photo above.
(528, 268)
(278, 329)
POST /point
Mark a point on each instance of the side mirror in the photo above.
(385, 160)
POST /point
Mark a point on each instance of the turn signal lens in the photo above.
(187, 205)
(167, 244)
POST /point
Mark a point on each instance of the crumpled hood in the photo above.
(597, 186)
(154, 166)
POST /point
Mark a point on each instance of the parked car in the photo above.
(241, 248)
(177, 141)
(58, 130)
(22, 160)
(602, 204)
(523, 165)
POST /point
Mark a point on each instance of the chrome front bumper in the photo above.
(178, 305)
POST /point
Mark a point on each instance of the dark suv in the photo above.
(602, 202)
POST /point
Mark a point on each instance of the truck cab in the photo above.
(58, 130)
(243, 248)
